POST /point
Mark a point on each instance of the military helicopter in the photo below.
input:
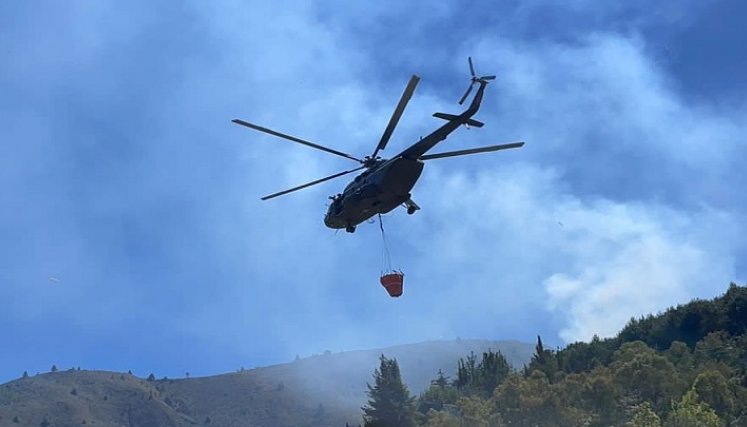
(386, 183)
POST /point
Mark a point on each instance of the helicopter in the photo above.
(386, 183)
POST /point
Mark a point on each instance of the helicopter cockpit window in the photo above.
(337, 205)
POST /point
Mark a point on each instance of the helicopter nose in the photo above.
(331, 221)
(328, 219)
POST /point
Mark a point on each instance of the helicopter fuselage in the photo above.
(387, 183)
(375, 191)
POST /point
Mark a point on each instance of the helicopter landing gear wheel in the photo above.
(350, 229)
(411, 206)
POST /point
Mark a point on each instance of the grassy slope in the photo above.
(108, 398)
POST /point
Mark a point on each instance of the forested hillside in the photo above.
(684, 367)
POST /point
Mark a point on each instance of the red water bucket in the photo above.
(393, 282)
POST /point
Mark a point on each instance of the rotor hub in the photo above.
(370, 161)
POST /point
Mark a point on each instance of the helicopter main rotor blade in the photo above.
(294, 139)
(406, 95)
(472, 151)
(318, 181)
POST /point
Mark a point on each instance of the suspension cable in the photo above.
(386, 257)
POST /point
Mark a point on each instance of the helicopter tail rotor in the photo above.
(475, 79)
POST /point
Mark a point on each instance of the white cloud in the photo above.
(618, 222)
(493, 251)
(524, 244)
(607, 113)
(634, 260)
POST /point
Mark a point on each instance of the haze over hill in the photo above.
(327, 389)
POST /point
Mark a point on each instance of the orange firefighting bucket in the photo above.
(393, 282)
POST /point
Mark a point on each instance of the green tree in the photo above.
(582, 357)
(493, 370)
(543, 360)
(735, 309)
(54, 368)
(715, 348)
(580, 401)
(644, 416)
(466, 372)
(389, 404)
(644, 375)
(441, 419)
(680, 356)
(602, 397)
(475, 411)
(691, 413)
(530, 401)
(482, 378)
(438, 394)
(713, 389)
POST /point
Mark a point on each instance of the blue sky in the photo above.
(132, 232)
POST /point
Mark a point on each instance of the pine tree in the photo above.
(539, 352)
(482, 378)
(543, 360)
(389, 404)
(439, 393)
(493, 370)
(466, 372)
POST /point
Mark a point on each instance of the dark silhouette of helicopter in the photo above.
(386, 184)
